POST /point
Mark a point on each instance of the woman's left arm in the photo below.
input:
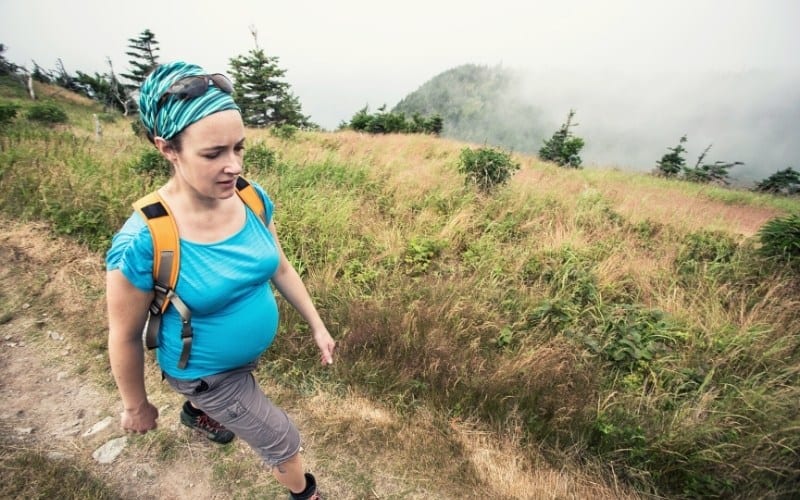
(291, 286)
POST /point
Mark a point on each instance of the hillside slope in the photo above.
(624, 327)
(56, 394)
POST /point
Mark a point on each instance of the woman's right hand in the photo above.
(141, 419)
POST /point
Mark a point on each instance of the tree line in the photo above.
(265, 99)
(563, 148)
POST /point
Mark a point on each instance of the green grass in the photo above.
(31, 474)
(669, 352)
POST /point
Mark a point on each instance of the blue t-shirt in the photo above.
(226, 286)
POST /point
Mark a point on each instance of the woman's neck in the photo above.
(200, 218)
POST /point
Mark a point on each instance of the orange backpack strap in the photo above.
(166, 265)
(251, 198)
(166, 262)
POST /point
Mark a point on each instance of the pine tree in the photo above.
(785, 181)
(262, 96)
(563, 147)
(672, 163)
(144, 51)
(6, 67)
(703, 173)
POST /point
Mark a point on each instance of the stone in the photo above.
(110, 451)
(99, 427)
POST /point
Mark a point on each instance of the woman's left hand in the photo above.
(326, 345)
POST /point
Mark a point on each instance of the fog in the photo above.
(629, 121)
(639, 73)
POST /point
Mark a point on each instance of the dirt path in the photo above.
(57, 399)
(51, 397)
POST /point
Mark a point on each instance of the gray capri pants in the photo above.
(235, 400)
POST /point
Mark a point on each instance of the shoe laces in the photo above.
(208, 423)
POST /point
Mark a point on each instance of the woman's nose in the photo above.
(233, 163)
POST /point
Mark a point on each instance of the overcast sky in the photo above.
(340, 55)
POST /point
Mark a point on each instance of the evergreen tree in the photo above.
(41, 75)
(434, 125)
(785, 181)
(262, 96)
(563, 147)
(103, 88)
(62, 78)
(6, 67)
(672, 163)
(144, 51)
(716, 172)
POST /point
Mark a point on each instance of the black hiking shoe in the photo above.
(311, 492)
(212, 429)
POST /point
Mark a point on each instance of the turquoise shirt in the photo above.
(226, 286)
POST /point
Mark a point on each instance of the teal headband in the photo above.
(176, 114)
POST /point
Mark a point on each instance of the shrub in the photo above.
(563, 147)
(47, 113)
(8, 111)
(782, 182)
(780, 239)
(138, 129)
(486, 167)
(383, 122)
(260, 158)
(152, 162)
(421, 252)
(285, 131)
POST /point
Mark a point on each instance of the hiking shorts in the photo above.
(235, 400)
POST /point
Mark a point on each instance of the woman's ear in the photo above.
(166, 149)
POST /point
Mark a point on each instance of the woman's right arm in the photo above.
(127, 314)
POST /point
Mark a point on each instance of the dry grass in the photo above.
(357, 447)
(386, 423)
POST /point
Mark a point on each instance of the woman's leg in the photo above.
(291, 474)
(235, 400)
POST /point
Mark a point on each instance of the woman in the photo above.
(228, 256)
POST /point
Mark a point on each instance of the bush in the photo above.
(486, 167)
(8, 111)
(285, 131)
(152, 162)
(47, 113)
(139, 129)
(780, 239)
(563, 147)
(384, 122)
(260, 158)
(782, 182)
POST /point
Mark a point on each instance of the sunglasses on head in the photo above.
(194, 86)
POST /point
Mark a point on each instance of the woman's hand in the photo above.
(141, 419)
(326, 345)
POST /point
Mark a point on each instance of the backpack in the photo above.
(166, 262)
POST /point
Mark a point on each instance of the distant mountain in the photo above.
(479, 104)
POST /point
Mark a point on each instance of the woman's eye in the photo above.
(211, 156)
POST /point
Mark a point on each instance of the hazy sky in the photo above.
(340, 55)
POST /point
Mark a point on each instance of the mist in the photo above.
(629, 121)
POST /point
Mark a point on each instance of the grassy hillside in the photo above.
(610, 317)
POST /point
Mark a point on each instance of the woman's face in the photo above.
(210, 157)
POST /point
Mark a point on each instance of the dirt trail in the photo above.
(55, 389)
(51, 387)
